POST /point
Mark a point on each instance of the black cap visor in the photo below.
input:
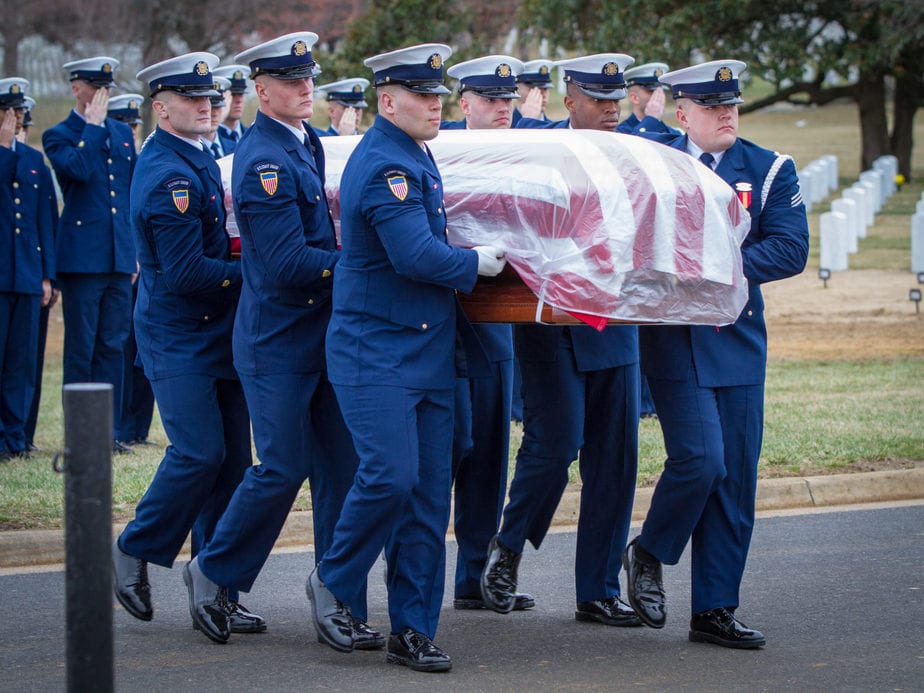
(351, 104)
(725, 99)
(291, 73)
(492, 92)
(192, 90)
(602, 92)
(426, 87)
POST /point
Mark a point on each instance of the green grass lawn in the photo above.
(821, 416)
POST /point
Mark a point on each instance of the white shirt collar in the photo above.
(299, 133)
(207, 145)
(197, 143)
(695, 151)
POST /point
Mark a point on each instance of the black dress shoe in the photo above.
(208, 603)
(720, 627)
(610, 611)
(142, 441)
(241, 620)
(644, 585)
(499, 577)
(413, 649)
(332, 620)
(121, 448)
(21, 454)
(366, 638)
(130, 583)
(521, 602)
(32, 447)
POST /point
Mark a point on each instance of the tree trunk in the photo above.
(11, 34)
(909, 94)
(874, 129)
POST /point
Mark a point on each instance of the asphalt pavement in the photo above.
(838, 594)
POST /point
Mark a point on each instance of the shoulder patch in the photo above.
(180, 199)
(268, 173)
(177, 183)
(262, 166)
(397, 183)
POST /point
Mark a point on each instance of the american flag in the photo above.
(598, 223)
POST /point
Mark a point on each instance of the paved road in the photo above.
(839, 595)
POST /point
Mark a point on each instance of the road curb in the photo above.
(29, 548)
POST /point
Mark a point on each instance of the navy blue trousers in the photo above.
(97, 311)
(299, 434)
(206, 420)
(19, 323)
(32, 419)
(713, 438)
(137, 395)
(567, 413)
(399, 501)
(480, 457)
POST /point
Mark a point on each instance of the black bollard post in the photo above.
(88, 535)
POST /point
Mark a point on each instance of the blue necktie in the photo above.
(215, 151)
(707, 159)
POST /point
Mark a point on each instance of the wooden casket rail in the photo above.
(505, 298)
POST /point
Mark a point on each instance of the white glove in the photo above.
(490, 260)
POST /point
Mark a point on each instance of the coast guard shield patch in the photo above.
(270, 181)
(181, 200)
(398, 186)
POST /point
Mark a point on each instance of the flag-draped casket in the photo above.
(595, 224)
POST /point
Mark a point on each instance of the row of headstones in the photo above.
(854, 212)
(917, 237)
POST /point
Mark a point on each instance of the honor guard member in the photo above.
(391, 350)
(708, 382)
(93, 158)
(32, 419)
(580, 399)
(289, 255)
(126, 108)
(646, 95)
(643, 88)
(211, 140)
(232, 129)
(137, 395)
(28, 211)
(345, 99)
(481, 434)
(187, 295)
(533, 85)
(23, 134)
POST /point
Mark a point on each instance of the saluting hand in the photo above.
(531, 106)
(348, 121)
(8, 128)
(97, 108)
(655, 105)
